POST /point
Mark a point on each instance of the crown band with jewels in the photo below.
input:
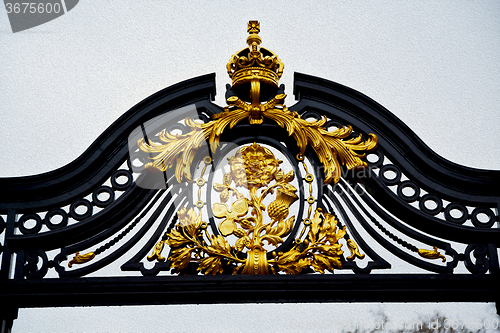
(255, 63)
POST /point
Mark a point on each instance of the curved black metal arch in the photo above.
(460, 185)
(400, 143)
(62, 186)
(430, 171)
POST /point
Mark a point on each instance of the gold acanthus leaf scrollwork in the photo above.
(181, 149)
(330, 146)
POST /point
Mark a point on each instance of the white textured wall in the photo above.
(432, 63)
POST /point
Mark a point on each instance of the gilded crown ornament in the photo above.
(255, 63)
(256, 182)
(330, 146)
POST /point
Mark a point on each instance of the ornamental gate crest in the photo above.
(184, 201)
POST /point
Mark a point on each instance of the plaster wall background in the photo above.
(432, 63)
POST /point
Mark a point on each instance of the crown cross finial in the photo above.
(253, 27)
(255, 71)
(255, 63)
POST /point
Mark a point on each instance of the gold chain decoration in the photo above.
(309, 178)
(201, 182)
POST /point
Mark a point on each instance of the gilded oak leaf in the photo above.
(239, 208)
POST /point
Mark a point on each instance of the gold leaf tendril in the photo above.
(431, 254)
(81, 258)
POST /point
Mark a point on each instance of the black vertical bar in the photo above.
(493, 255)
(19, 268)
(7, 317)
(145, 134)
(7, 253)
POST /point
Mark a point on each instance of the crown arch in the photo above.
(181, 199)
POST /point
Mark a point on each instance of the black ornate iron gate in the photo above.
(254, 202)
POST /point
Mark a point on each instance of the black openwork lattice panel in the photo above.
(121, 211)
(330, 199)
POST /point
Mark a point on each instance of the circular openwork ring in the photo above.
(413, 186)
(176, 126)
(103, 203)
(307, 221)
(33, 230)
(202, 117)
(81, 202)
(207, 159)
(456, 206)
(56, 212)
(380, 159)
(203, 225)
(431, 197)
(297, 241)
(333, 123)
(121, 186)
(300, 157)
(199, 204)
(311, 200)
(388, 168)
(132, 166)
(309, 178)
(487, 212)
(200, 181)
(311, 114)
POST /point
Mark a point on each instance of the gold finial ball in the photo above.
(253, 38)
(253, 27)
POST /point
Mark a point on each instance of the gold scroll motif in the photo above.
(255, 169)
(330, 146)
(258, 66)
